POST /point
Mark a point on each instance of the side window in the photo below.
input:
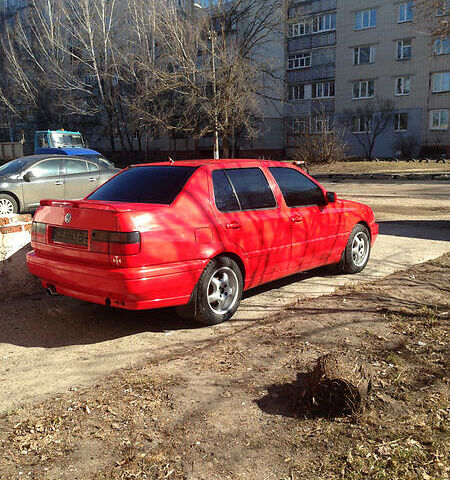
(92, 167)
(252, 188)
(75, 166)
(224, 196)
(297, 189)
(47, 168)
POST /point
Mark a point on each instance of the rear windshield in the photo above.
(158, 184)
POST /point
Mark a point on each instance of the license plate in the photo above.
(70, 236)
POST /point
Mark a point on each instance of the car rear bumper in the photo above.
(129, 288)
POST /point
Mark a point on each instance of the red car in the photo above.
(195, 233)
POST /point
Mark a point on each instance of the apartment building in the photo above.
(372, 66)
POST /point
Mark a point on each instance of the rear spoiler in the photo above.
(84, 204)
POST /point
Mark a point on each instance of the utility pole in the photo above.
(216, 112)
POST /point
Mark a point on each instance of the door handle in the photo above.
(233, 225)
(59, 182)
(91, 179)
(296, 218)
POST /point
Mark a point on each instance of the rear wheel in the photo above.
(219, 291)
(8, 204)
(357, 252)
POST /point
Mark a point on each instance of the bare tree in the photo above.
(433, 15)
(368, 122)
(320, 140)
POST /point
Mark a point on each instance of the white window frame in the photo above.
(402, 86)
(403, 10)
(367, 123)
(442, 117)
(324, 23)
(441, 85)
(298, 124)
(323, 89)
(297, 61)
(357, 55)
(296, 92)
(366, 14)
(363, 84)
(400, 48)
(398, 122)
(299, 29)
(442, 46)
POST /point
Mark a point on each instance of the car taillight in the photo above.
(38, 232)
(115, 243)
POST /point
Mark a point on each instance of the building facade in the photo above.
(374, 68)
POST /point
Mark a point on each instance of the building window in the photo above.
(402, 86)
(299, 29)
(405, 12)
(364, 55)
(404, 49)
(320, 124)
(361, 124)
(298, 124)
(401, 122)
(324, 23)
(444, 9)
(299, 60)
(366, 19)
(296, 92)
(323, 90)
(441, 82)
(442, 46)
(439, 120)
(90, 80)
(363, 89)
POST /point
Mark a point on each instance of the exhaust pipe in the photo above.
(51, 291)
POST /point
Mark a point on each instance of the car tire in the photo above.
(8, 204)
(219, 291)
(357, 252)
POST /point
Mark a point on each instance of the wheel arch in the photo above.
(13, 195)
(365, 224)
(234, 257)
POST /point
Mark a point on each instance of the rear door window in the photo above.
(252, 188)
(297, 189)
(226, 200)
(158, 184)
(75, 166)
(47, 168)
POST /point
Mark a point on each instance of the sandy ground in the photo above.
(51, 345)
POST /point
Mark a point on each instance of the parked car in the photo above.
(26, 180)
(195, 233)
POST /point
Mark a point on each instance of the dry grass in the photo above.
(381, 167)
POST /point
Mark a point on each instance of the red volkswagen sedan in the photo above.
(195, 233)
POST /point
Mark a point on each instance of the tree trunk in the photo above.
(338, 385)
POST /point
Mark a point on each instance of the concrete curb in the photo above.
(383, 176)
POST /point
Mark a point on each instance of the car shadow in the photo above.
(424, 229)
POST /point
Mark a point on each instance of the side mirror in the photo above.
(331, 197)
(28, 176)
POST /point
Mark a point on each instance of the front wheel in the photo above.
(219, 291)
(357, 252)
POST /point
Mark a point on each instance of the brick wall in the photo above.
(15, 236)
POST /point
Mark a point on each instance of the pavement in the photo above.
(50, 345)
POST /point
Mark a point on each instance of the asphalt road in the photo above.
(50, 345)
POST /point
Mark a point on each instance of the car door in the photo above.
(45, 180)
(315, 224)
(250, 217)
(79, 181)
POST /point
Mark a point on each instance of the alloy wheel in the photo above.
(223, 290)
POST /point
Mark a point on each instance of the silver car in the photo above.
(27, 180)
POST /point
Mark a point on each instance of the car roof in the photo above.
(222, 162)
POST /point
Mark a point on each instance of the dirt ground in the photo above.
(228, 406)
(381, 167)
